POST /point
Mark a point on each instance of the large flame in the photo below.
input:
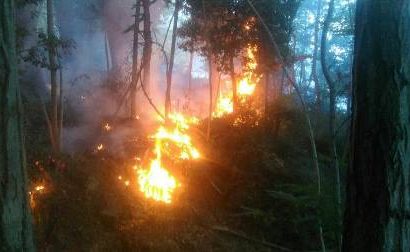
(247, 85)
(224, 106)
(173, 141)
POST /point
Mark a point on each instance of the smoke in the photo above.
(95, 96)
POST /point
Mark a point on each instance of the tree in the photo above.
(134, 76)
(378, 199)
(15, 217)
(147, 50)
(178, 5)
(332, 105)
(315, 56)
(53, 67)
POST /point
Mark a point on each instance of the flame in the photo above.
(247, 85)
(173, 141)
(100, 147)
(39, 188)
(224, 106)
(107, 127)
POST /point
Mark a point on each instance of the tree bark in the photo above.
(315, 56)
(52, 57)
(147, 51)
(15, 217)
(234, 85)
(377, 216)
(210, 78)
(133, 94)
(332, 108)
(178, 5)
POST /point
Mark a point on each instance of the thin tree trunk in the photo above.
(107, 52)
(178, 4)
(61, 111)
(234, 85)
(191, 60)
(210, 78)
(133, 94)
(315, 57)
(52, 57)
(332, 110)
(377, 216)
(306, 114)
(147, 51)
(15, 217)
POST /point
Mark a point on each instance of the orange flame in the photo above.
(157, 182)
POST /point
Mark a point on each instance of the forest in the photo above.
(205, 125)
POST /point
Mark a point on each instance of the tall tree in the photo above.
(53, 67)
(15, 217)
(134, 76)
(147, 51)
(315, 55)
(377, 216)
(178, 5)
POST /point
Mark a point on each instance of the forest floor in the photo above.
(251, 192)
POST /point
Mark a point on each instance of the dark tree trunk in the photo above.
(377, 216)
(315, 57)
(15, 217)
(210, 80)
(234, 85)
(53, 67)
(332, 108)
(147, 51)
(134, 84)
(178, 4)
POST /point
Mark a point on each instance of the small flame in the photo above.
(100, 147)
(107, 127)
(39, 188)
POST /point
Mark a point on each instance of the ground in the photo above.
(249, 192)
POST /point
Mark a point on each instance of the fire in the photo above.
(245, 88)
(247, 85)
(224, 106)
(107, 127)
(100, 147)
(173, 141)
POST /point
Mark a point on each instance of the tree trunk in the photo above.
(178, 4)
(377, 216)
(15, 217)
(332, 109)
(147, 51)
(107, 52)
(191, 60)
(315, 56)
(134, 76)
(210, 78)
(234, 85)
(52, 57)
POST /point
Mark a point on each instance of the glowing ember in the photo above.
(39, 188)
(107, 127)
(156, 182)
(100, 147)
